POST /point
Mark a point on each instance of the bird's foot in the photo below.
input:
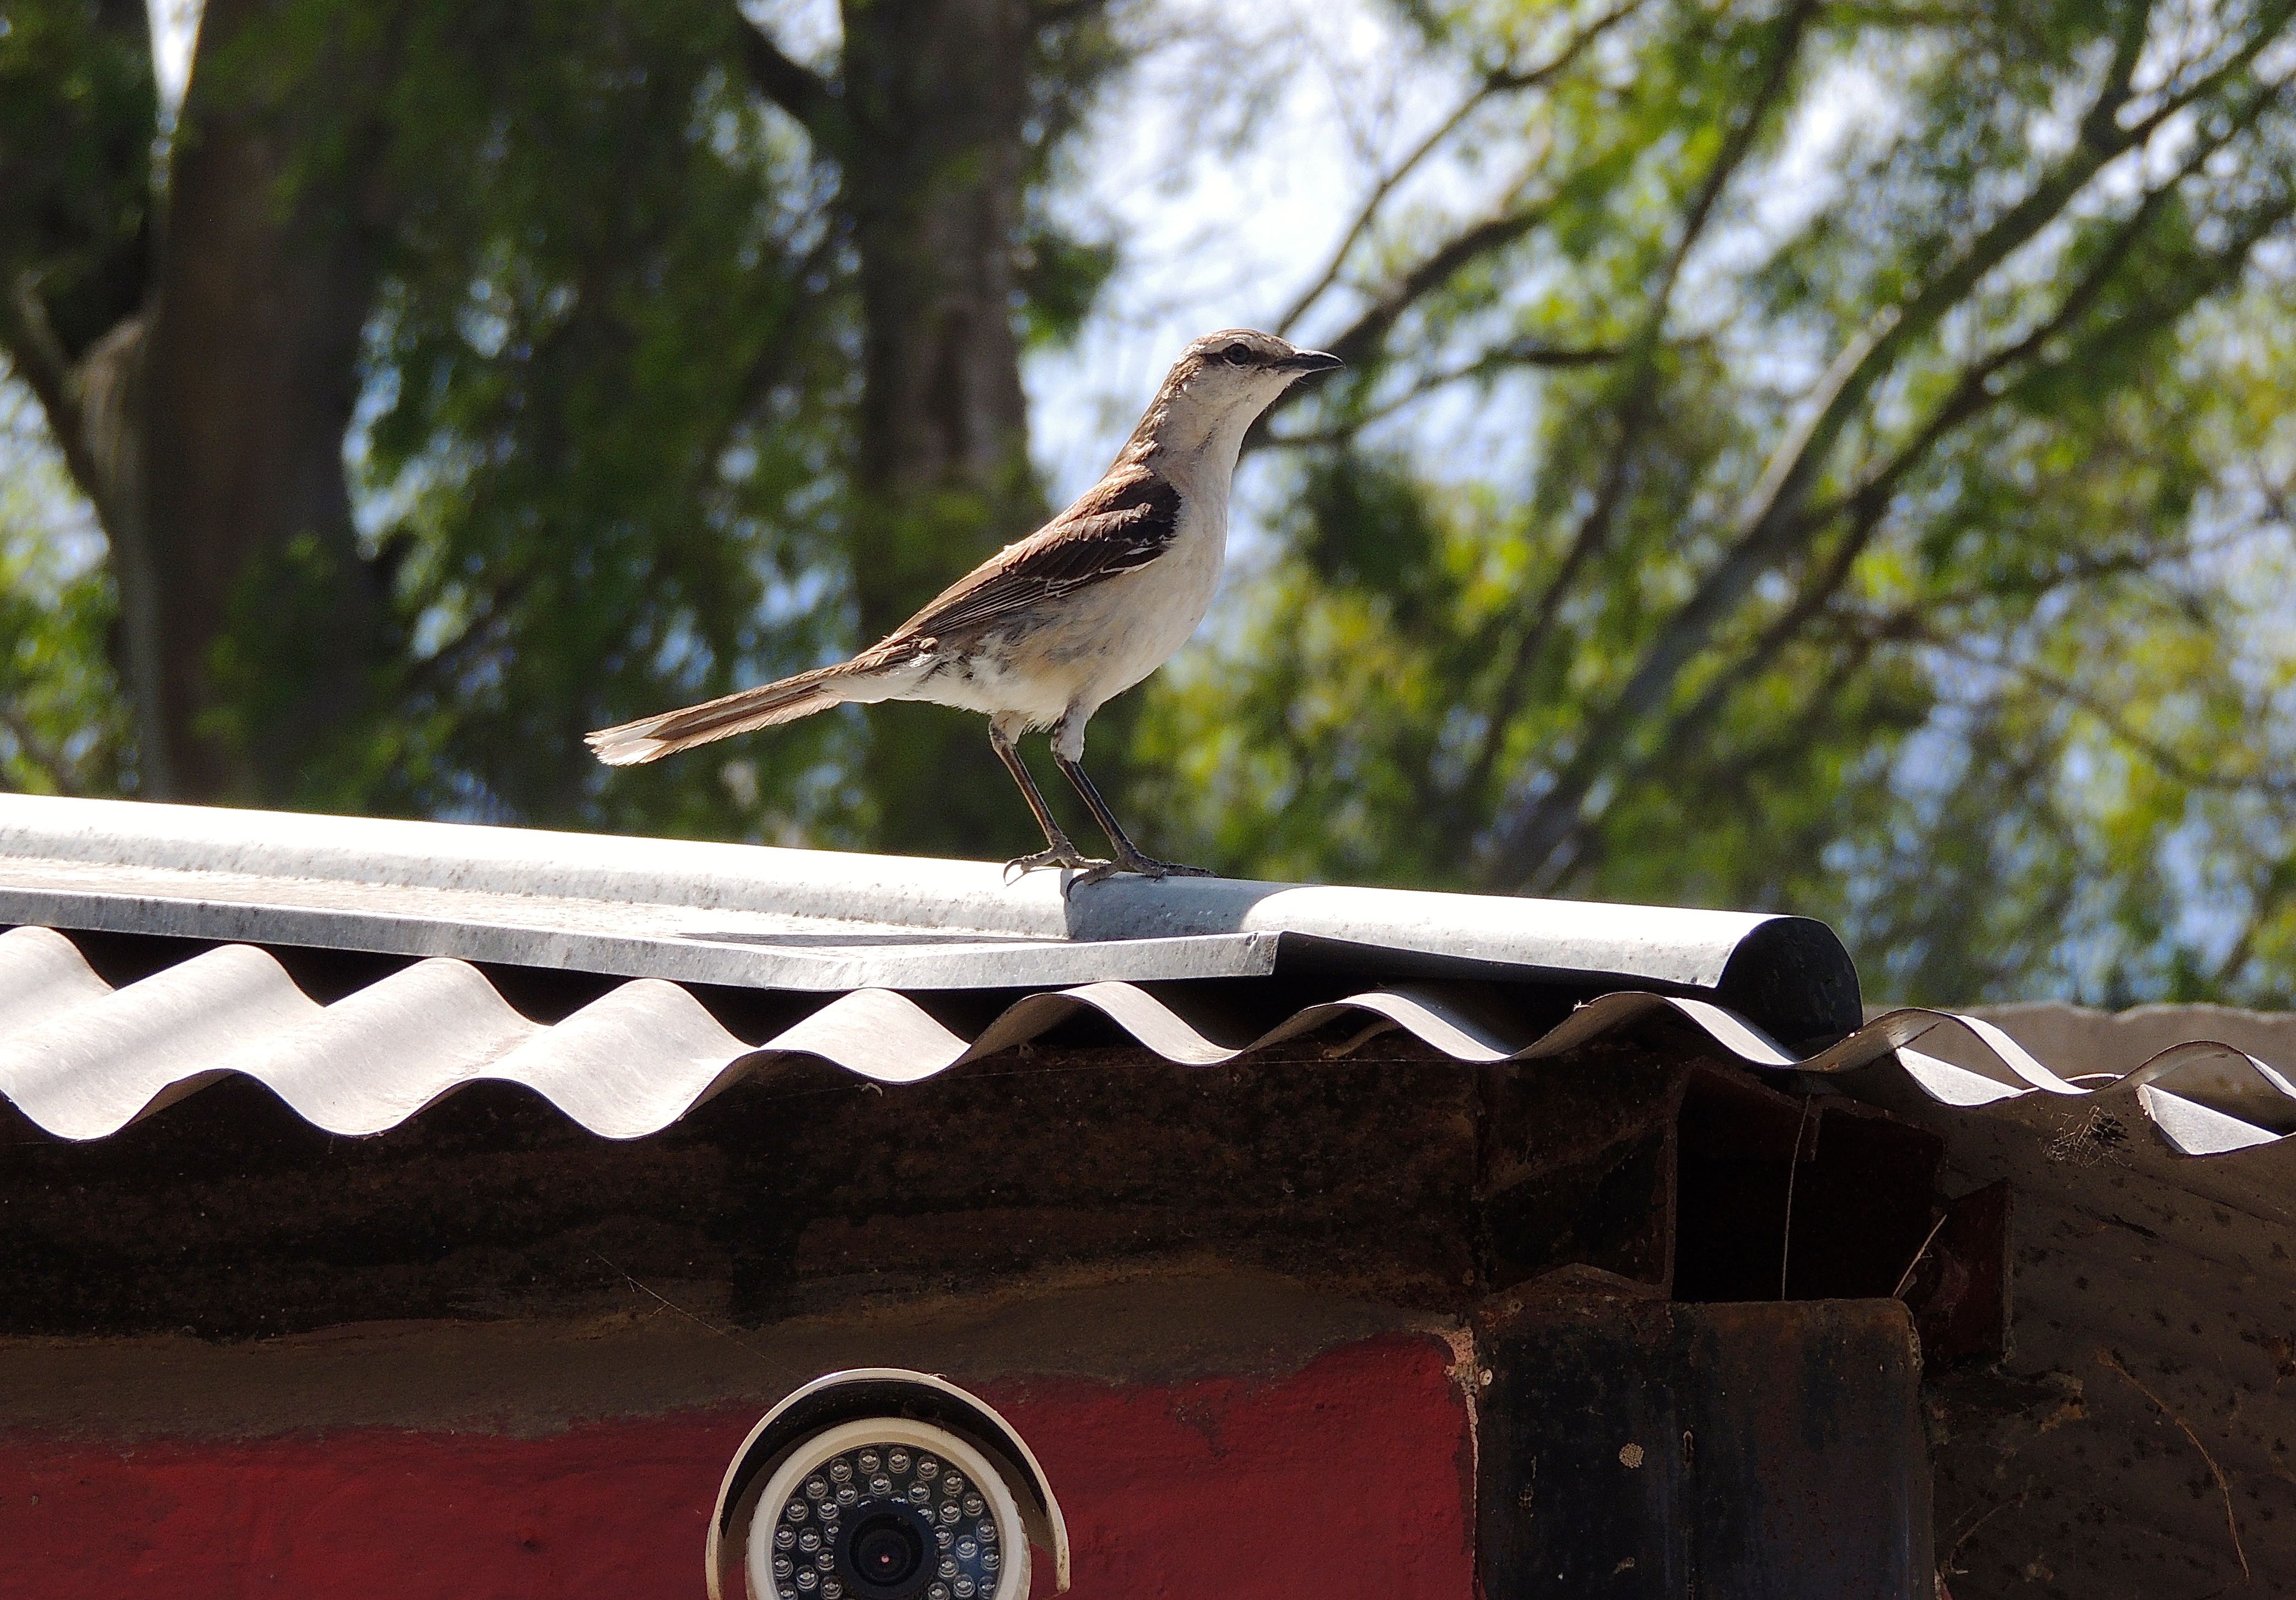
(1146, 867)
(1060, 855)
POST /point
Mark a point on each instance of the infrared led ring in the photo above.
(884, 1508)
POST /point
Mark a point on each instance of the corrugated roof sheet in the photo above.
(82, 1059)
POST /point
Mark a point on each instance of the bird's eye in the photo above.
(1237, 355)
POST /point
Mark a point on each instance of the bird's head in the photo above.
(1220, 385)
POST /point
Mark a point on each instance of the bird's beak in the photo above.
(1307, 361)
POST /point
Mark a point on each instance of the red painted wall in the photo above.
(1349, 1479)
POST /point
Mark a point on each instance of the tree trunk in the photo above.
(207, 428)
(266, 615)
(936, 101)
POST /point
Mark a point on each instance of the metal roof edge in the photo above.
(266, 876)
(497, 859)
(956, 963)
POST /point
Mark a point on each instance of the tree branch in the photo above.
(1523, 354)
(2116, 724)
(1493, 232)
(1975, 389)
(1370, 209)
(811, 99)
(39, 353)
(1637, 403)
(1770, 521)
(1717, 780)
(1497, 82)
(2268, 903)
(1699, 717)
(39, 360)
(1814, 599)
(37, 753)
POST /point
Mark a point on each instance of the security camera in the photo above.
(881, 1484)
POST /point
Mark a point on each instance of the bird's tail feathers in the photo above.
(666, 733)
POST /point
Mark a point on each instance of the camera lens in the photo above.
(886, 1555)
(909, 1527)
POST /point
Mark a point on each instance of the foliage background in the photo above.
(1826, 457)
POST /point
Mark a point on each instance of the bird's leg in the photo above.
(1128, 858)
(1059, 849)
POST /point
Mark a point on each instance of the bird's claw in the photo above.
(1087, 870)
(1054, 856)
(1134, 862)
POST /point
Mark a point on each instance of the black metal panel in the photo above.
(1632, 1448)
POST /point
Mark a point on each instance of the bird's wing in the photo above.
(1124, 521)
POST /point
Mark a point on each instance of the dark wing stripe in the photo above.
(1118, 528)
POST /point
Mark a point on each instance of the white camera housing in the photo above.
(882, 1485)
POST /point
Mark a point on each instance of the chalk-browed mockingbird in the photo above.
(1046, 631)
